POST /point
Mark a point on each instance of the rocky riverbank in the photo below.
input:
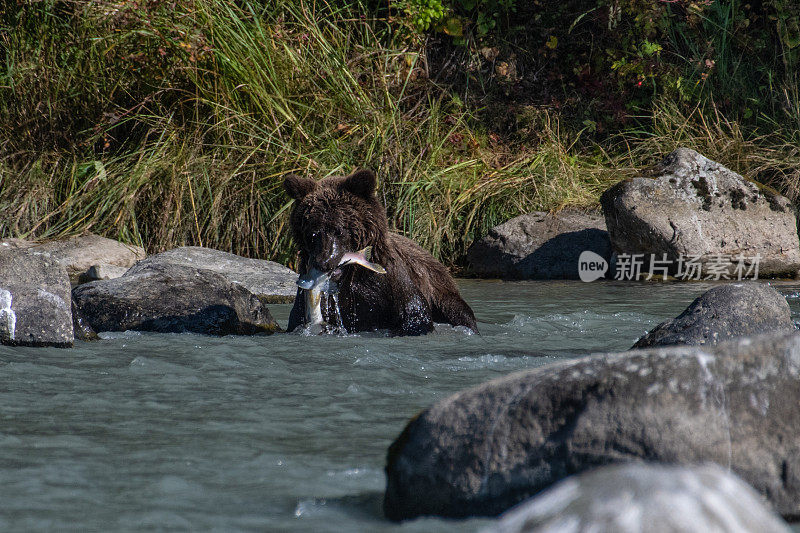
(186, 289)
(688, 218)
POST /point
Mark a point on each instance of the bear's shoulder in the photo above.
(427, 273)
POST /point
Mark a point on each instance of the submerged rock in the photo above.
(267, 279)
(724, 312)
(485, 449)
(540, 246)
(699, 210)
(638, 497)
(172, 298)
(79, 254)
(35, 306)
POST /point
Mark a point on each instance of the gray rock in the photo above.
(540, 246)
(696, 207)
(485, 449)
(267, 279)
(78, 254)
(35, 306)
(11, 243)
(735, 310)
(171, 298)
(97, 272)
(639, 497)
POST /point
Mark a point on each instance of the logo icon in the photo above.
(591, 266)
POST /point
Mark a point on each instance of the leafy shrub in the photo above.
(610, 60)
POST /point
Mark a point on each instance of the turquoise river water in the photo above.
(142, 431)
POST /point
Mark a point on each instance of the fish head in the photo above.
(308, 280)
(317, 280)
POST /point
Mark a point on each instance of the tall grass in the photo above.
(167, 126)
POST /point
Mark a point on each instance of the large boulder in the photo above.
(35, 305)
(273, 282)
(540, 245)
(78, 254)
(698, 210)
(485, 449)
(724, 312)
(171, 298)
(639, 497)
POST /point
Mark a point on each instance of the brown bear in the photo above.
(342, 214)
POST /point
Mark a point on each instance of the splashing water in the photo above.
(339, 322)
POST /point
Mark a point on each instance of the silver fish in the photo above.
(316, 280)
(321, 281)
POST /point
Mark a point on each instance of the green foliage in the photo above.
(484, 16)
(612, 59)
(171, 122)
(423, 13)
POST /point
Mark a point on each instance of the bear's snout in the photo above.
(325, 252)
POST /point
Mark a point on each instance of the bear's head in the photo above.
(334, 216)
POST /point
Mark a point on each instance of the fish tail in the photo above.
(367, 253)
(375, 267)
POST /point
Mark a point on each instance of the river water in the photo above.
(143, 431)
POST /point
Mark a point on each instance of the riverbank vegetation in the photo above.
(172, 122)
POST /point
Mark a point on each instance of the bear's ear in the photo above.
(361, 183)
(298, 187)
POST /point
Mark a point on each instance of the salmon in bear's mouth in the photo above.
(319, 281)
